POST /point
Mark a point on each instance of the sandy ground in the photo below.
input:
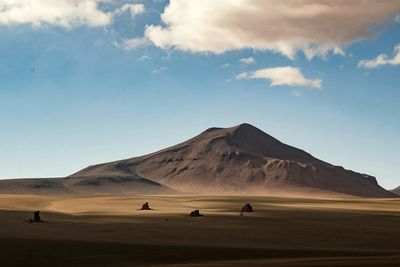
(111, 231)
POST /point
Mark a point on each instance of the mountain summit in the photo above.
(240, 159)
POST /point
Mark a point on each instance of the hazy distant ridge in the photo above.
(396, 191)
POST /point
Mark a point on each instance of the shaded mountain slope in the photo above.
(241, 159)
(396, 191)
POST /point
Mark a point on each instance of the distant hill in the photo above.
(83, 186)
(241, 159)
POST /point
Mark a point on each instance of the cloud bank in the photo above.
(282, 76)
(381, 60)
(315, 27)
(65, 13)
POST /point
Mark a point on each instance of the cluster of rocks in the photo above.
(245, 208)
(146, 206)
(195, 213)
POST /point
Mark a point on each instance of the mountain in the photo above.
(241, 159)
(396, 191)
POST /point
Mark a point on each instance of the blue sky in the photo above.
(76, 91)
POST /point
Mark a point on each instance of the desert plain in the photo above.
(283, 231)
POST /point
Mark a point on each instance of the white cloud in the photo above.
(381, 60)
(134, 43)
(134, 9)
(282, 76)
(65, 13)
(315, 27)
(247, 60)
(226, 65)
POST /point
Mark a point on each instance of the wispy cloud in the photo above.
(397, 18)
(160, 69)
(226, 65)
(381, 60)
(134, 9)
(289, 76)
(296, 93)
(313, 26)
(143, 58)
(134, 43)
(247, 60)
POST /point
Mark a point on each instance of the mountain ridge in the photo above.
(236, 160)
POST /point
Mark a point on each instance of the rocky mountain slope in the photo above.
(241, 159)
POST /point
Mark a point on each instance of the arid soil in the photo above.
(113, 231)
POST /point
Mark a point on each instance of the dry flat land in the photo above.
(111, 231)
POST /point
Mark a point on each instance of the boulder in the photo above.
(146, 206)
(36, 217)
(195, 213)
(247, 208)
